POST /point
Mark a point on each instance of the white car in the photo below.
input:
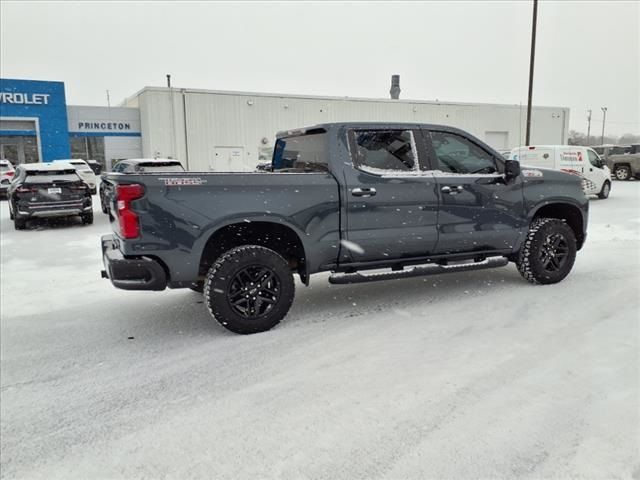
(6, 175)
(84, 172)
(582, 161)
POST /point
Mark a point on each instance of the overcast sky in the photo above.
(587, 53)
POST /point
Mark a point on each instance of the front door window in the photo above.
(455, 154)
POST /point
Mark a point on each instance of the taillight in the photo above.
(127, 218)
(22, 189)
(9, 173)
(80, 187)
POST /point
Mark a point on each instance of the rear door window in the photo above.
(384, 152)
(301, 154)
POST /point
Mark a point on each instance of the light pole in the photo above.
(604, 119)
(589, 127)
(531, 61)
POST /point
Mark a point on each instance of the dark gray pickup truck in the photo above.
(345, 198)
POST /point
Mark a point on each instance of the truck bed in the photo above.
(180, 211)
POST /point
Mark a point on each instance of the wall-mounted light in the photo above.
(249, 102)
(264, 140)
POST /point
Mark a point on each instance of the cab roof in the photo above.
(325, 127)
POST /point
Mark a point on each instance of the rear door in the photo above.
(479, 210)
(391, 201)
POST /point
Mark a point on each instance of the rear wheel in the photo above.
(606, 189)
(87, 218)
(622, 172)
(548, 252)
(249, 289)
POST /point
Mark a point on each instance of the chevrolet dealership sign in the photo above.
(22, 98)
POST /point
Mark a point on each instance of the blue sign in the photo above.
(43, 102)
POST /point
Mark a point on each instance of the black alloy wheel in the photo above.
(253, 291)
(554, 252)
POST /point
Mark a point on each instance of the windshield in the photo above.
(303, 153)
(39, 176)
(159, 167)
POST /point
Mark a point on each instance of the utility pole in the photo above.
(604, 119)
(589, 127)
(108, 100)
(531, 62)
(168, 80)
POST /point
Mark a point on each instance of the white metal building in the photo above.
(233, 131)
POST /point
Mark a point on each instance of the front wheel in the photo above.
(622, 172)
(249, 289)
(548, 252)
(606, 189)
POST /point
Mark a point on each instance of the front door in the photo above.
(479, 210)
(392, 204)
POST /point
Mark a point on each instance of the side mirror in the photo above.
(511, 169)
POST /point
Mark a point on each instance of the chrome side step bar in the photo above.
(347, 278)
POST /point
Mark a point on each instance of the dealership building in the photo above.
(211, 130)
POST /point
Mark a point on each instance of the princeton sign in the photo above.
(102, 126)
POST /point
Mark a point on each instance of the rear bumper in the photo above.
(130, 273)
(53, 209)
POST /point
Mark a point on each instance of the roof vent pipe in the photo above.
(395, 87)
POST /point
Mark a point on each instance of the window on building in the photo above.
(88, 148)
(302, 153)
(385, 151)
(456, 154)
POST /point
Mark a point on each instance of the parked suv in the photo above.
(131, 166)
(84, 171)
(6, 175)
(48, 190)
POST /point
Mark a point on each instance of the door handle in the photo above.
(363, 192)
(452, 190)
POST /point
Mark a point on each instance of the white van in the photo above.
(583, 161)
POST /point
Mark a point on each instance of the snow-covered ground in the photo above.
(473, 375)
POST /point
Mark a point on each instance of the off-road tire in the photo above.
(531, 258)
(226, 274)
(606, 189)
(622, 172)
(87, 218)
(19, 223)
